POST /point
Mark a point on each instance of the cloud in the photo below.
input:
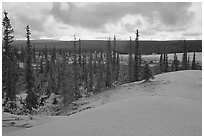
(96, 15)
(91, 20)
(192, 34)
(33, 14)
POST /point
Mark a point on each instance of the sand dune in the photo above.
(169, 105)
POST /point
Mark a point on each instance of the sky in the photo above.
(101, 20)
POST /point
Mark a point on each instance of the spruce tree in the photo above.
(130, 63)
(184, 60)
(90, 87)
(75, 68)
(7, 35)
(161, 63)
(164, 62)
(67, 81)
(108, 82)
(194, 62)
(136, 52)
(32, 98)
(117, 64)
(114, 58)
(9, 61)
(166, 68)
(85, 74)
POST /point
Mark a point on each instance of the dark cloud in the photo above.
(96, 15)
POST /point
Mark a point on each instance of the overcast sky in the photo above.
(155, 21)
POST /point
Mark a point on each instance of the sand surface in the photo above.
(171, 104)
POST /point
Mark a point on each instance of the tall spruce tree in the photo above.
(136, 52)
(130, 63)
(32, 98)
(9, 61)
(7, 35)
(76, 88)
(67, 81)
(114, 58)
(108, 82)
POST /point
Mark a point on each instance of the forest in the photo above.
(72, 71)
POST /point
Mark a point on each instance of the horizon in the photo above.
(107, 39)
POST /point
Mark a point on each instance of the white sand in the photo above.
(169, 105)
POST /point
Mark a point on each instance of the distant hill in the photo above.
(146, 47)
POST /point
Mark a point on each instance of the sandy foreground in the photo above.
(171, 104)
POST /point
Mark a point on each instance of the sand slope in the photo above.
(169, 105)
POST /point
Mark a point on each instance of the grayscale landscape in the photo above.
(102, 68)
